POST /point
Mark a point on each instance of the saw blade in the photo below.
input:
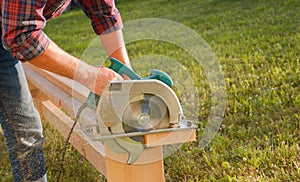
(147, 114)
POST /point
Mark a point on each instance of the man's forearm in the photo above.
(56, 60)
(115, 47)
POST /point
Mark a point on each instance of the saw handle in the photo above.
(121, 68)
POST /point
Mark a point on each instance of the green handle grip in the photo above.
(121, 69)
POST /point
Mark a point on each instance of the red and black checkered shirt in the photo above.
(23, 21)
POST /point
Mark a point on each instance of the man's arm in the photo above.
(56, 60)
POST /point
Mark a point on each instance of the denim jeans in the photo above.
(20, 122)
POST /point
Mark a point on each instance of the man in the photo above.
(23, 39)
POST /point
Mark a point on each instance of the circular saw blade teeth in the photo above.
(145, 114)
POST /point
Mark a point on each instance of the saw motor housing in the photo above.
(138, 105)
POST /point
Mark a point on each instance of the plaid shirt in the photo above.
(23, 21)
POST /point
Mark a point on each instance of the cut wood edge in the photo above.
(168, 138)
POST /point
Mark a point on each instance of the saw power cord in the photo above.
(61, 170)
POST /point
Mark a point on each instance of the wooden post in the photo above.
(148, 168)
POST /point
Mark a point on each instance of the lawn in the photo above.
(257, 45)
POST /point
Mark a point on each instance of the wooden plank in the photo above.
(37, 97)
(46, 87)
(93, 151)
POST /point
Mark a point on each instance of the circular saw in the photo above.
(129, 109)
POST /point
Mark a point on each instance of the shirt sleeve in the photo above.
(22, 24)
(103, 14)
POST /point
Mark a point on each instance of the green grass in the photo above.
(258, 46)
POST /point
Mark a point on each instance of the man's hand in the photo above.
(104, 75)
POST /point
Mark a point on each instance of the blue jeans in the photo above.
(20, 122)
